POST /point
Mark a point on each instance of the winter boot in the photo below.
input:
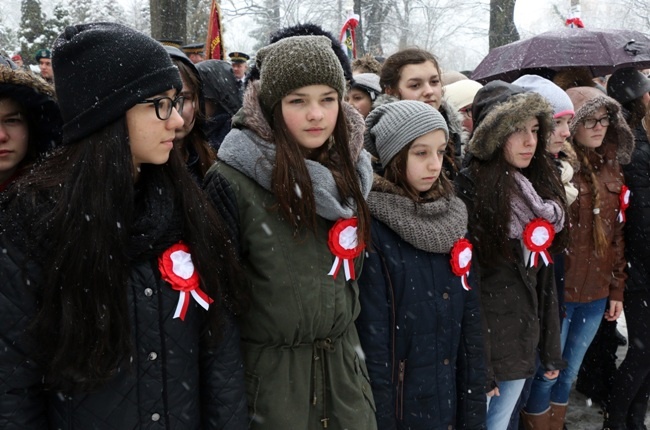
(558, 412)
(536, 421)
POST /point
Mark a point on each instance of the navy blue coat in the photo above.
(422, 337)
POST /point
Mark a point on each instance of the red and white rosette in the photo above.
(624, 203)
(461, 260)
(176, 267)
(538, 236)
(344, 244)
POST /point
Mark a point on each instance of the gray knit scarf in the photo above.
(432, 226)
(527, 205)
(253, 156)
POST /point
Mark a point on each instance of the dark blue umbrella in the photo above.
(601, 51)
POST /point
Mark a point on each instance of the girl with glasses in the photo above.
(595, 263)
(115, 269)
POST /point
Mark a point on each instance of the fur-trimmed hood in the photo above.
(39, 101)
(252, 117)
(503, 119)
(586, 101)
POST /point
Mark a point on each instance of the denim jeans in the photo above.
(578, 330)
(499, 408)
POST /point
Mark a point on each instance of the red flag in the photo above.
(348, 36)
(214, 44)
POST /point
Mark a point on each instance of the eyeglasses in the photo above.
(591, 122)
(164, 106)
(467, 110)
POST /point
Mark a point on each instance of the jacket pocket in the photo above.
(252, 391)
(614, 187)
(366, 388)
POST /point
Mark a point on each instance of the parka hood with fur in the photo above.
(586, 101)
(502, 117)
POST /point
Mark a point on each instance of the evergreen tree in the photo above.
(55, 25)
(32, 30)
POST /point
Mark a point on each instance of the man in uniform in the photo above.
(239, 62)
(44, 59)
(195, 52)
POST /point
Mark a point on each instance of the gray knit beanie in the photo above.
(296, 62)
(368, 82)
(392, 126)
(555, 95)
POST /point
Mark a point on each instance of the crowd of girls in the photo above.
(175, 257)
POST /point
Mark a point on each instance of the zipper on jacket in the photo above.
(400, 390)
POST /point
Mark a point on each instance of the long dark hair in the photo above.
(195, 140)
(83, 240)
(494, 187)
(290, 172)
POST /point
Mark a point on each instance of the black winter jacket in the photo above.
(173, 380)
(422, 336)
(519, 308)
(637, 225)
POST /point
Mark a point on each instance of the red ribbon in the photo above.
(344, 244)
(624, 202)
(176, 268)
(538, 236)
(574, 23)
(461, 260)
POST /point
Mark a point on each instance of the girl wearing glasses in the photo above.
(595, 263)
(292, 180)
(114, 266)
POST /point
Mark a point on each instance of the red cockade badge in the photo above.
(624, 202)
(345, 246)
(461, 260)
(538, 236)
(176, 267)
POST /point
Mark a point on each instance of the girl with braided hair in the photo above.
(595, 262)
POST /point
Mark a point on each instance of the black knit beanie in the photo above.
(102, 70)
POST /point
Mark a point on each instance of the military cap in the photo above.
(238, 57)
(194, 48)
(43, 53)
(176, 43)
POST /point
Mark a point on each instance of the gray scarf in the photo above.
(430, 226)
(527, 205)
(253, 156)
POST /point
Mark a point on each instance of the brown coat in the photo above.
(590, 277)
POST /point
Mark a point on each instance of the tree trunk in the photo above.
(168, 19)
(502, 24)
(359, 31)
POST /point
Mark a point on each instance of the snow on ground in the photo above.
(582, 414)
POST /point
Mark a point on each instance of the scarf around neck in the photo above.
(527, 205)
(245, 151)
(432, 226)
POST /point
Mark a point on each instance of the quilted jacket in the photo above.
(173, 379)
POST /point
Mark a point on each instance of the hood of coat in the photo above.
(507, 117)
(586, 101)
(252, 117)
(39, 101)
